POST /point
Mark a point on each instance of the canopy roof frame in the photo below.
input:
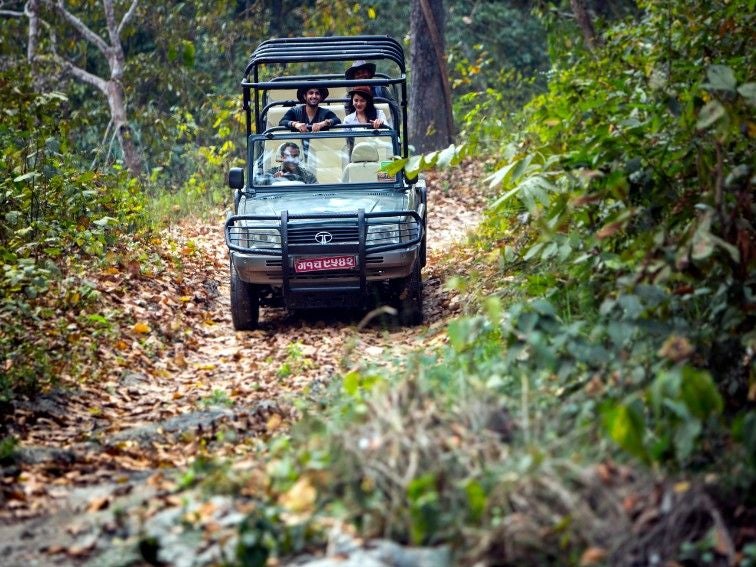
(282, 51)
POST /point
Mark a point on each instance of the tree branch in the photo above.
(81, 74)
(127, 16)
(79, 26)
(107, 6)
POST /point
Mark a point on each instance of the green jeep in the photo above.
(335, 229)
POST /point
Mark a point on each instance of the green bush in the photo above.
(636, 176)
(58, 218)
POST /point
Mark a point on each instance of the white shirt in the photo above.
(352, 118)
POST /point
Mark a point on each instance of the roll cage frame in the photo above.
(304, 50)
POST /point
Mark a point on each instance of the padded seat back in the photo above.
(364, 164)
(326, 157)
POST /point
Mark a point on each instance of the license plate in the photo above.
(327, 263)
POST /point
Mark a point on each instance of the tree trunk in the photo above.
(111, 50)
(32, 12)
(585, 23)
(117, 103)
(276, 18)
(430, 117)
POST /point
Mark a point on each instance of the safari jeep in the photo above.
(340, 231)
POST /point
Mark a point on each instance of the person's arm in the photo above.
(325, 119)
(293, 120)
(382, 117)
(308, 177)
(331, 116)
(288, 118)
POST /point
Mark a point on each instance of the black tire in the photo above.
(423, 252)
(410, 300)
(245, 303)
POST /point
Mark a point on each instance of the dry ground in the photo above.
(180, 374)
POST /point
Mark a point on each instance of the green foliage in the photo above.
(8, 447)
(295, 361)
(630, 187)
(497, 62)
(266, 533)
(217, 398)
(681, 399)
(57, 216)
(634, 176)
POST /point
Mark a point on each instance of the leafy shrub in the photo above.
(628, 303)
(633, 175)
(58, 216)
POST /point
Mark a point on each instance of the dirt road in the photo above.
(183, 385)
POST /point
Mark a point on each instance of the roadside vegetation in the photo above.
(605, 372)
(595, 405)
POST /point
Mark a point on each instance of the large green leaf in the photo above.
(624, 424)
(721, 77)
(748, 92)
(698, 392)
(712, 112)
(447, 156)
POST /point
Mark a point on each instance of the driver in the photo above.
(290, 169)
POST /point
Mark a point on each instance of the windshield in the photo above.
(321, 159)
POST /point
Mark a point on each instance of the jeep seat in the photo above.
(364, 164)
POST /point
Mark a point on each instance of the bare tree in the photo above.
(112, 51)
(430, 119)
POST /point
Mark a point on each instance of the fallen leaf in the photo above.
(141, 327)
(300, 498)
(98, 503)
(592, 556)
(274, 422)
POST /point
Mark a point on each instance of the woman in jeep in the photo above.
(362, 109)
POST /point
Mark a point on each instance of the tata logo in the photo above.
(323, 237)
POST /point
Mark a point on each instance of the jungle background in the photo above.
(590, 402)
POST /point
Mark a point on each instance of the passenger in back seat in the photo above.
(363, 111)
(364, 70)
(309, 115)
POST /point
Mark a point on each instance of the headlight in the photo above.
(262, 238)
(381, 234)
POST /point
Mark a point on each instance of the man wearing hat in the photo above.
(365, 70)
(309, 115)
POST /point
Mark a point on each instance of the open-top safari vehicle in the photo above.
(344, 232)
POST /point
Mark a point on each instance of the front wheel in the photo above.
(245, 303)
(410, 299)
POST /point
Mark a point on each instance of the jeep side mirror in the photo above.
(236, 178)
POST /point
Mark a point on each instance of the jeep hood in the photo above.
(323, 202)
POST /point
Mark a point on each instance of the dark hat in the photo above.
(301, 92)
(362, 90)
(361, 64)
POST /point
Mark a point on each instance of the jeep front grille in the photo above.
(340, 234)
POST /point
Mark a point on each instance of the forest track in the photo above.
(185, 385)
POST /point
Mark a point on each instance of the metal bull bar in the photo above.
(237, 229)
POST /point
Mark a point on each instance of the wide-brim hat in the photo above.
(301, 92)
(361, 90)
(361, 64)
